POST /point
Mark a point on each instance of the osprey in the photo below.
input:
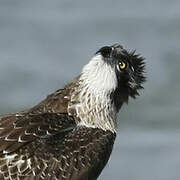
(70, 134)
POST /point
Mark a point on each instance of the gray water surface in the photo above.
(44, 44)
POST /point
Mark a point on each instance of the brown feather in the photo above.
(45, 143)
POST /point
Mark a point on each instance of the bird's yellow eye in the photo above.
(122, 65)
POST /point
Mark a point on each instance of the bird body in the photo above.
(70, 135)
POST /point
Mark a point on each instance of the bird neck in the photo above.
(90, 109)
(91, 99)
(98, 76)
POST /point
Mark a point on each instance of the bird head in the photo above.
(117, 71)
(128, 67)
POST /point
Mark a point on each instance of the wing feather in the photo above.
(16, 131)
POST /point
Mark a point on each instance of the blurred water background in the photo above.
(45, 43)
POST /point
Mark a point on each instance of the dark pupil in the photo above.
(105, 51)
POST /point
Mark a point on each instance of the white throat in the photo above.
(99, 76)
(90, 101)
